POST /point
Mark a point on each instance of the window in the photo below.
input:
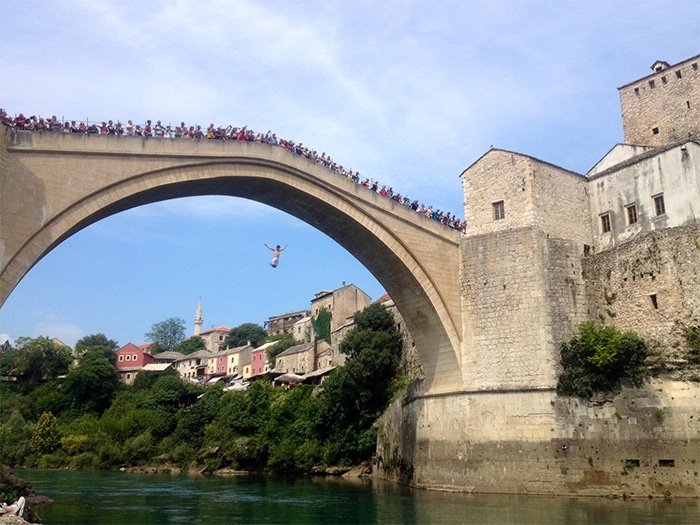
(128, 357)
(636, 91)
(659, 205)
(695, 66)
(631, 214)
(678, 74)
(605, 222)
(121, 358)
(655, 131)
(654, 301)
(133, 357)
(499, 211)
(652, 84)
(664, 80)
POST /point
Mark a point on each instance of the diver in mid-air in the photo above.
(275, 254)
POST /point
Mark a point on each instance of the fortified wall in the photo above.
(545, 250)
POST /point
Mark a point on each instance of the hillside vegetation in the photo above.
(80, 416)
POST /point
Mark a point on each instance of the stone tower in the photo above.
(198, 321)
(663, 107)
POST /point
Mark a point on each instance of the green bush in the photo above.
(598, 358)
(139, 448)
(85, 461)
(56, 459)
(73, 445)
(692, 338)
(15, 436)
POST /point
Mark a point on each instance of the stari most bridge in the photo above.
(53, 185)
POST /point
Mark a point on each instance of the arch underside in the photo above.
(304, 196)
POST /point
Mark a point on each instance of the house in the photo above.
(341, 303)
(214, 338)
(129, 360)
(302, 329)
(259, 363)
(194, 365)
(238, 358)
(283, 324)
(301, 359)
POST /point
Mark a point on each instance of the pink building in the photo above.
(258, 362)
(131, 359)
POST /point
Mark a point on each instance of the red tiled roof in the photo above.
(383, 298)
(220, 329)
(130, 347)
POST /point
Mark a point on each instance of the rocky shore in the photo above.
(11, 488)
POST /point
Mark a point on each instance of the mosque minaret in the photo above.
(198, 319)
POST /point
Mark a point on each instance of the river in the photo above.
(83, 498)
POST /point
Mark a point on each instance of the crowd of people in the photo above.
(182, 131)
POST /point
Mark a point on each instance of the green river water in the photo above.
(119, 498)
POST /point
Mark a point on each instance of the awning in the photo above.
(290, 377)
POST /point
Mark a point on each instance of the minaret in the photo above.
(198, 319)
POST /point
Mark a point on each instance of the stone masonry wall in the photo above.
(663, 102)
(534, 193)
(523, 295)
(651, 285)
(645, 443)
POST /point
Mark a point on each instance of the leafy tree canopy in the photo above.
(34, 360)
(191, 345)
(167, 334)
(97, 342)
(244, 333)
(93, 383)
(374, 329)
(46, 437)
(284, 341)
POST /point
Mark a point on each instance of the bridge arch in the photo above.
(413, 258)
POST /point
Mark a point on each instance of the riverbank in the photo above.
(11, 488)
(166, 467)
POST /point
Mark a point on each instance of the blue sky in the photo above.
(409, 93)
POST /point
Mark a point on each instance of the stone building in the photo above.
(214, 338)
(663, 107)
(301, 359)
(342, 303)
(543, 250)
(285, 323)
(546, 250)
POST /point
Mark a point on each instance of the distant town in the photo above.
(309, 361)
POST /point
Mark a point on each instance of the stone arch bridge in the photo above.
(52, 185)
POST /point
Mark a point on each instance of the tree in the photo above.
(97, 342)
(167, 334)
(355, 395)
(322, 324)
(46, 437)
(598, 358)
(284, 341)
(191, 345)
(92, 384)
(374, 329)
(35, 360)
(246, 333)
